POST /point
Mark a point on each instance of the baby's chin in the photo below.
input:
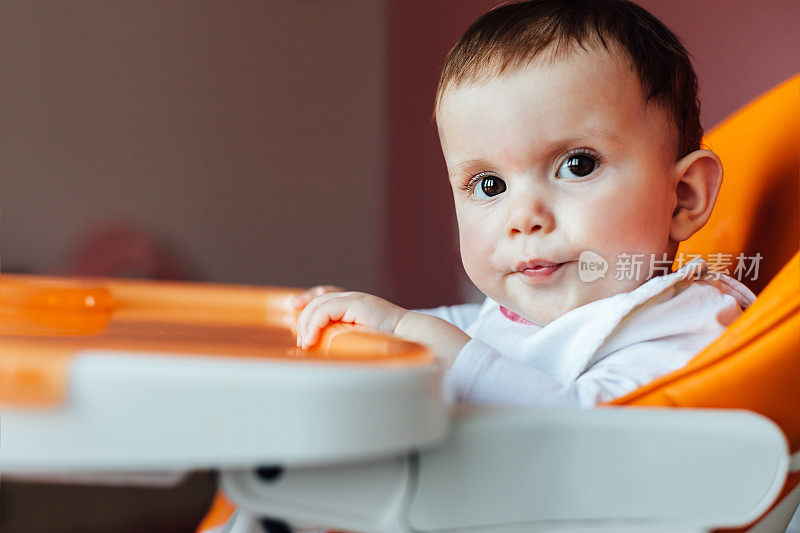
(546, 302)
(543, 309)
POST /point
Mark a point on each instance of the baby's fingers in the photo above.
(322, 310)
(302, 299)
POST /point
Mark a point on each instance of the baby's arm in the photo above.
(461, 316)
(444, 339)
(481, 374)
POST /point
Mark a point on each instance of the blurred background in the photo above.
(271, 142)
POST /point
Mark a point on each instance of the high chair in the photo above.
(532, 469)
(145, 380)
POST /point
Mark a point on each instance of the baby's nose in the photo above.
(530, 216)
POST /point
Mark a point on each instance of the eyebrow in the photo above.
(585, 137)
(601, 133)
(470, 163)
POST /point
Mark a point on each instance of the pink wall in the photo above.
(423, 264)
(247, 136)
(278, 142)
(740, 49)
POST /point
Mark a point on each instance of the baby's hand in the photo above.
(302, 299)
(352, 307)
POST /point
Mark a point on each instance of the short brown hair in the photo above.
(512, 34)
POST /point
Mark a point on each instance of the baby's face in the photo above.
(550, 160)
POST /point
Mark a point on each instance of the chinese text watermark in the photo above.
(592, 266)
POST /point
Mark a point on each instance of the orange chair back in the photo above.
(758, 204)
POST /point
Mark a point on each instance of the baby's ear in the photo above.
(698, 177)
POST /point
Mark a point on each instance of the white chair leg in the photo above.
(242, 522)
(780, 518)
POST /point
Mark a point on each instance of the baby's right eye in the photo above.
(485, 187)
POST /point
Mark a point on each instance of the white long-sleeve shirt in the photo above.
(596, 352)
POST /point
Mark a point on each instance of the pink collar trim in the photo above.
(514, 317)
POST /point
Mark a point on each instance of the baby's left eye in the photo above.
(577, 166)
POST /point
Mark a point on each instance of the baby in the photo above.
(571, 134)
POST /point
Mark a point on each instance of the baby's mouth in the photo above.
(538, 269)
(536, 264)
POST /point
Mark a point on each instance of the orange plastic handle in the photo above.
(52, 307)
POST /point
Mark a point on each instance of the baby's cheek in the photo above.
(640, 233)
(476, 255)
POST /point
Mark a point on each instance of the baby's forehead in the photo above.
(576, 84)
(554, 58)
(581, 79)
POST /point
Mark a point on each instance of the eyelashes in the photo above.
(583, 161)
(580, 163)
(468, 185)
(490, 186)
